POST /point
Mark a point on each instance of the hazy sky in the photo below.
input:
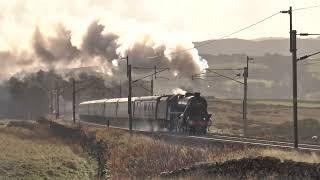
(195, 19)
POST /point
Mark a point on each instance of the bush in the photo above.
(22, 124)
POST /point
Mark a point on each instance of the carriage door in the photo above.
(169, 113)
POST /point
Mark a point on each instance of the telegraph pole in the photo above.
(155, 77)
(51, 101)
(245, 88)
(129, 97)
(248, 59)
(74, 100)
(294, 84)
(57, 100)
(120, 90)
(151, 89)
(129, 75)
(293, 50)
(245, 96)
(127, 59)
(152, 81)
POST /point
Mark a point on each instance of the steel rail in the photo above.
(260, 140)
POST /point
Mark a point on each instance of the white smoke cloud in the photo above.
(179, 91)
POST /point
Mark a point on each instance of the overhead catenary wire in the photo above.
(233, 33)
(226, 69)
(228, 35)
(307, 56)
(310, 63)
(138, 67)
(204, 76)
(223, 37)
(207, 80)
(305, 8)
(149, 75)
(226, 77)
(146, 89)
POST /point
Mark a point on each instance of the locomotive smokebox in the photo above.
(197, 94)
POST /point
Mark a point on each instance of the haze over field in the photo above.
(99, 33)
(198, 20)
(212, 83)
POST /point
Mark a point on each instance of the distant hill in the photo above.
(257, 47)
(270, 72)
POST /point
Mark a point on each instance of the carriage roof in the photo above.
(113, 100)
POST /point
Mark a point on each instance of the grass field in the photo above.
(277, 102)
(30, 152)
(269, 119)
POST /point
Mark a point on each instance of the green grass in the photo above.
(32, 153)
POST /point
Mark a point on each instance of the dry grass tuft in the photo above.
(290, 155)
(138, 156)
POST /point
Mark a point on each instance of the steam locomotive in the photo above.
(176, 113)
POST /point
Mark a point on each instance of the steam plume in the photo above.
(97, 44)
(179, 91)
(55, 49)
(102, 49)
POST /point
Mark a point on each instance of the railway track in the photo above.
(264, 141)
(211, 139)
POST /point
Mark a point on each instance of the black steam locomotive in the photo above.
(176, 113)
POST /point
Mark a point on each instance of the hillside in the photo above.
(257, 47)
(270, 74)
